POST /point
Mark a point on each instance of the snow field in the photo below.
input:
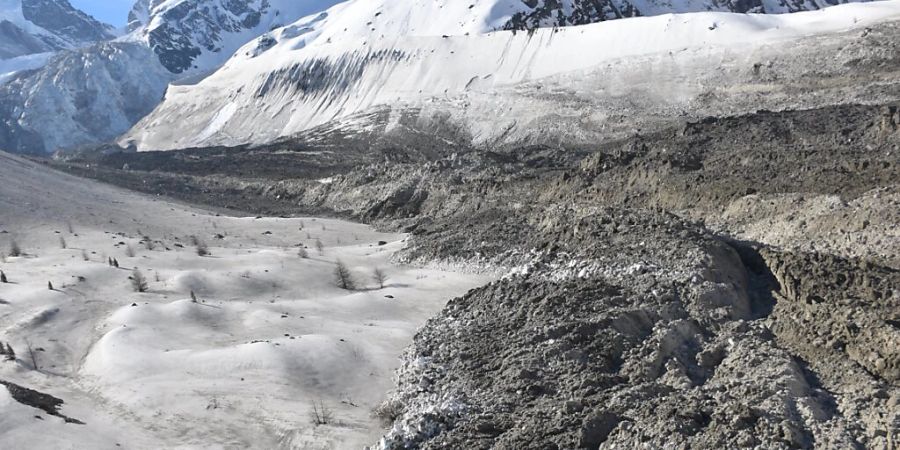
(269, 335)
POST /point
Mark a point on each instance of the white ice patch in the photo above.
(10, 67)
(218, 122)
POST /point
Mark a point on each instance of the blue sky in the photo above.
(114, 12)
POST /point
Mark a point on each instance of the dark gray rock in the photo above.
(560, 13)
(60, 18)
(66, 28)
(14, 41)
(104, 89)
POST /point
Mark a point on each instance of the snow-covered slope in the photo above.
(10, 67)
(378, 55)
(268, 337)
(39, 26)
(95, 94)
(79, 97)
(357, 57)
(198, 35)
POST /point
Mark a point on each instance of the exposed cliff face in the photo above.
(188, 28)
(556, 13)
(63, 20)
(14, 41)
(139, 16)
(195, 36)
(80, 97)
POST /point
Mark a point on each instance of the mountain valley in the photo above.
(604, 225)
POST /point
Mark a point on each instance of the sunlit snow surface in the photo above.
(241, 368)
(221, 31)
(363, 55)
(10, 67)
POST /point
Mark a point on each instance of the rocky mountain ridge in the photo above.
(554, 13)
(195, 36)
(129, 77)
(40, 26)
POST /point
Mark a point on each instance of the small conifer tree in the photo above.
(15, 249)
(343, 278)
(138, 282)
(380, 277)
(320, 247)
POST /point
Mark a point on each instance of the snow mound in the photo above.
(268, 336)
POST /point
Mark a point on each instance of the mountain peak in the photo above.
(64, 20)
(38, 26)
(194, 36)
(139, 16)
